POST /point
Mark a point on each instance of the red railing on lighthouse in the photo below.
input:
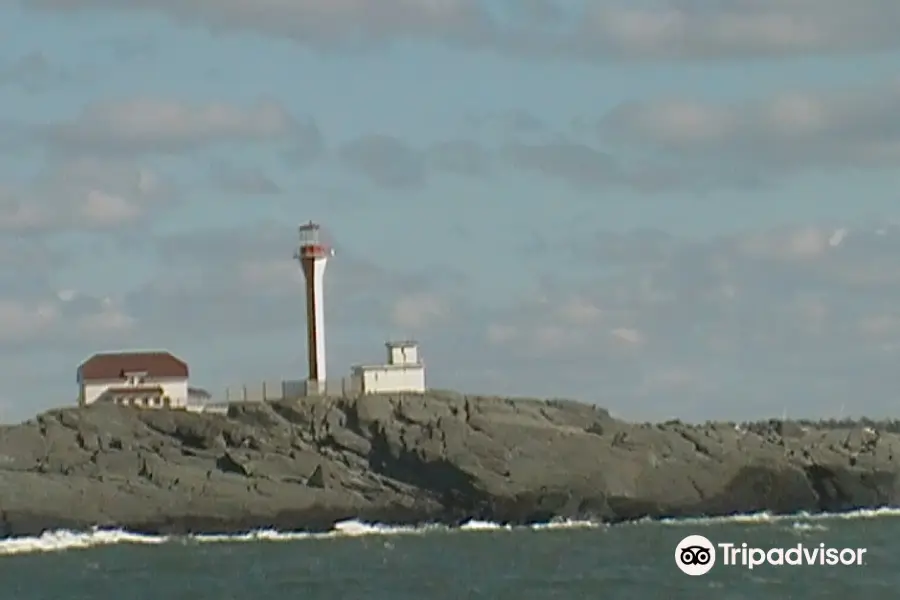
(311, 244)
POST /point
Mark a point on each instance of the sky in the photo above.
(674, 209)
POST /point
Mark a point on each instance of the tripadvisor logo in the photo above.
(696, 555)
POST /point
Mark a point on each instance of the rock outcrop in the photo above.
(413, 459)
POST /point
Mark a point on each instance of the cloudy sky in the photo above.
(681, 208)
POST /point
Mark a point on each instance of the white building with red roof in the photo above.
(152, 379)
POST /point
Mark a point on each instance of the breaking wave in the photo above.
(58, 541)
(764, 518)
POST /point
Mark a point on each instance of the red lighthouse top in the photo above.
(311, 246)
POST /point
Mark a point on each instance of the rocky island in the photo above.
(410, 459)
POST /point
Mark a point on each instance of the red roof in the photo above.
(115, 365)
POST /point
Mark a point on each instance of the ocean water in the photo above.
(480, 560)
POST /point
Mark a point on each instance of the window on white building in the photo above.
(135, 379)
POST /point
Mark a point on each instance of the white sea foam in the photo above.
(801, 527)
(764, 518)
(57, 541)
(53, 541)
(474, 525)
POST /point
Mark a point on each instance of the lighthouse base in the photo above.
(316, 387)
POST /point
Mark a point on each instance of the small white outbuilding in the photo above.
(403, 372)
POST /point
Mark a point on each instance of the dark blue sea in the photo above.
(481, 560)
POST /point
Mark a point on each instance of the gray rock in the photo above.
(421, 458)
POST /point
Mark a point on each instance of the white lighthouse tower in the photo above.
(313, 255)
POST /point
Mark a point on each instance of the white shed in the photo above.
(403, 372)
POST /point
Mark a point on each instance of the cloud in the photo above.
(385, 161)
(147, 125)
(795, 243)
(574, 162)
(766, 28)
(129, 47)
(786, 132)
(391, 163)
(628, 336)
(20, 255)
(415, 311)
(353, 24)
(227, 281)
(307, 146)
(791, 317)
(21, 320)
(394, 164)
(511, 122)
(236, 179)
(585, 31)
(665, 144)
(32, 72)
(86, 194)
(660, 145)
(587, 168)
(460, 157)
(63, 317)
(556, 321)
(654, 146)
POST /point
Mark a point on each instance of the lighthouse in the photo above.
(313, 255)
